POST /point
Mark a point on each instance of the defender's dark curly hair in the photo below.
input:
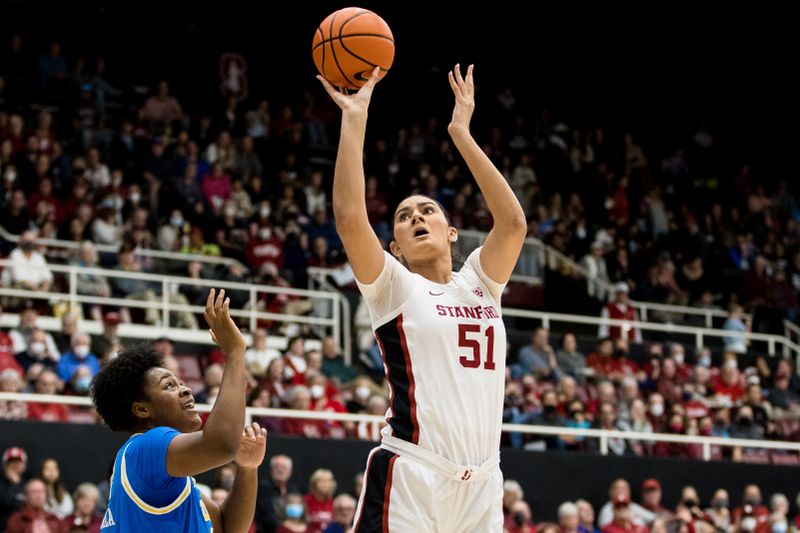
(120, 383)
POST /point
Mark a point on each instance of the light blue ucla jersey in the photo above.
(144, 497)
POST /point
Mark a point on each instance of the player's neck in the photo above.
(438, 271)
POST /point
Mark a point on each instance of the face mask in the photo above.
(294, 510)
(362, 392)
(704, 361)
(731, 363)
(82, 384)
(265, 233)
(686, 396)
(264, 212)
(705, 431)
(81, 351)
(176, 221)
(116, 182)
(678, 358)
(719, 504)
(754, 501)
(746, 422)
(676, 428)
(10, 175)
(135, 197)
(27, 246)
(619, 353)
(581, 233)
(690, 503)
(317, 391)
(657, 409)
(227, 483)
(550, 410)
(38, 348)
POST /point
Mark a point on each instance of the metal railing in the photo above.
(319, 276)
(68, 246)
(603, 435)
(699, 334)
(168, 284)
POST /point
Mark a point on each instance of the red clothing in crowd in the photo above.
(48, 412)
(76, 522)
(320, 513)
(260, 251)
(28, 520)
(619, 311)
(308, 428)
(759, 512)
(614, 527)
(735, 392)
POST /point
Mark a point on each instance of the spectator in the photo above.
(80, 355)
(37, 351)
(161, 109)
(568, 519)
(779, 519)
(752, 516)
(12, 495)
(333, 364)
(11, 381)
(7, 350)
(570, 360)
(258, 356)
(59, 502)
(212, 380)
(597, 271)
(620, 309)
(48, 383)
(295, 520)
(371, 431)
(651, 499)
(547, 416)
(33, 516)
(537, 358)
(512, 493)
(607, 419)
(719, 512)
(620, 491)
(216, 187)
(28, 269)
(319, 500)
(84, 517)
(344, 512)
(745, 427)
(274, 492)
(521, 518)
(294, 360)
(20, 336)
(735, 323)
(103, 344)
(261, 397)
(91, 284)
(639, 423)
(586, 517)
(63, 338)
(622, 517)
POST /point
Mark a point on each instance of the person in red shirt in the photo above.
(32, 516)
(299, 398)
(622, 522)
(729, 383)
(264, 247)
(84, 517)
(752, 515)
(651, 498)
(620, 309)
(599, 359)
(48, 383)
(319, 500)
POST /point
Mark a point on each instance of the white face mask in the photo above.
(657, 409)
(264, 212)
(135, 197)
(362, 392)
(678, 358)
(81, 351)
(317, 391)
(38, 348)
(704, 361)
(731, 363)
(265, 233)
(10, 175)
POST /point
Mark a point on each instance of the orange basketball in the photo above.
(349, 44)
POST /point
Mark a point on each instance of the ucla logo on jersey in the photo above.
(108, 520)
(477, 291)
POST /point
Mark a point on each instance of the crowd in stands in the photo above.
(33, 498)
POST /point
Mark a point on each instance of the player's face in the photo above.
(170, 401)
(421, 229)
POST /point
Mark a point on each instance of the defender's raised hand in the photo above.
(224, 331)
(357, 102)
(464, 91)
(252, 447)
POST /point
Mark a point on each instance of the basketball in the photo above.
(349, 44)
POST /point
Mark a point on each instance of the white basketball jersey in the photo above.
(444, 352)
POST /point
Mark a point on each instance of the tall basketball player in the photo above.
(152, 488)
(440, 332)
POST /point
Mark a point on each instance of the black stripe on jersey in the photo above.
(392, 340)
(374, 516)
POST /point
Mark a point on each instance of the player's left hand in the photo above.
(252, 447)
(464, 91)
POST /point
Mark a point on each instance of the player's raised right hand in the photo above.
(224, 331)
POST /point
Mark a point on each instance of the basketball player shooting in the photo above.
(440, 332)
(151, 486)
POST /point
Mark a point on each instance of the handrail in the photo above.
(699, 333)
(602, 434)
(319, 275)
(166, 306)
(144, 252)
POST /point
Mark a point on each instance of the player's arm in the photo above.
(504, 242)
(217, 443)
(362, 246)
(239, 507)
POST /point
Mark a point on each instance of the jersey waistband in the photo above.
(444, 466)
